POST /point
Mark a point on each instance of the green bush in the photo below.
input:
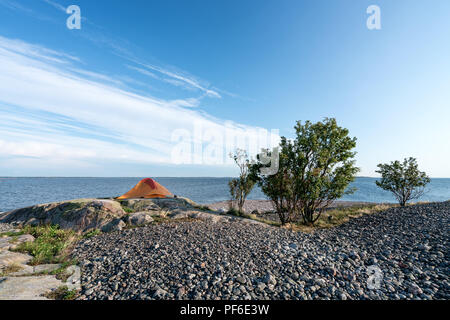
(404, 180)
(234, 212)
(315, 169)
(240, 187)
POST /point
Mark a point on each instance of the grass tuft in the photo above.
(11, 234)
(235, 212)
(127, 210)
(62, 293)
(202, 208)
(92, 233)
(335, 217)
(51, 244)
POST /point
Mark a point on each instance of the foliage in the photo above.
(334, 217)
(92, 233)
(234, 212)
(50, 244)
(404, 180)
(241, 187)
(62, 293)
(315, 169)
(11, 234)
(127, 210)
(203, 208)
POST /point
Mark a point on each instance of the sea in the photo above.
(22, 192)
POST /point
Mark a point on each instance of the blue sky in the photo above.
(117, 97)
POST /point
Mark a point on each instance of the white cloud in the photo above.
(181, 79)
(56, 5)
(51, 109)
(169, 75)
(143, 71)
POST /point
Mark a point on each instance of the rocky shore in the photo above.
(265, 206)
(401, 253)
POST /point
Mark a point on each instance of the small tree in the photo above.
(314, 170)
(278, 187)
(241, 187)
(404, 180)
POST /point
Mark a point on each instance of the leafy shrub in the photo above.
(404, 180)
(241, 187)
(315, 169)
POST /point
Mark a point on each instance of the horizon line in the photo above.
(211, 177)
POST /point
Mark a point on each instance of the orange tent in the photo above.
(147, 188)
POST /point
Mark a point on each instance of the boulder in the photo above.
(114, 225)
(139, 205)
(78, 215)
(74, 281)
(158, 204)
(107, 215)
(139, 218)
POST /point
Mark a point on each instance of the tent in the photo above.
(147, 188)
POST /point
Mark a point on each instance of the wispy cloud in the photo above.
(144, 72)
(51, 108)
(56, 5)
(36, 51)
(175, 79)
(16, 6)
(181, 79)
(167, 74)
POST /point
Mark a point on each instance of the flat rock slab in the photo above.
(27, 288)
(7, 258)
(213, 217)
(8, 243)
(33, 270)
(5, 243)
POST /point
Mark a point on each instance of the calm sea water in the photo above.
(21, 192)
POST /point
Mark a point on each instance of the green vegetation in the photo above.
(404, 180)
(70, 207)
(92, 233)
(241, 187)
(203, 208)
(314, 170)
(61, 272)
(329, 219)
(234, 212)
(252, 216)
(51, 244)
(124, 207)
(127, 210)
(335, 217)
(11, 234)
(62, 293)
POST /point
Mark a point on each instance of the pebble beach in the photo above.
(400, 253)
